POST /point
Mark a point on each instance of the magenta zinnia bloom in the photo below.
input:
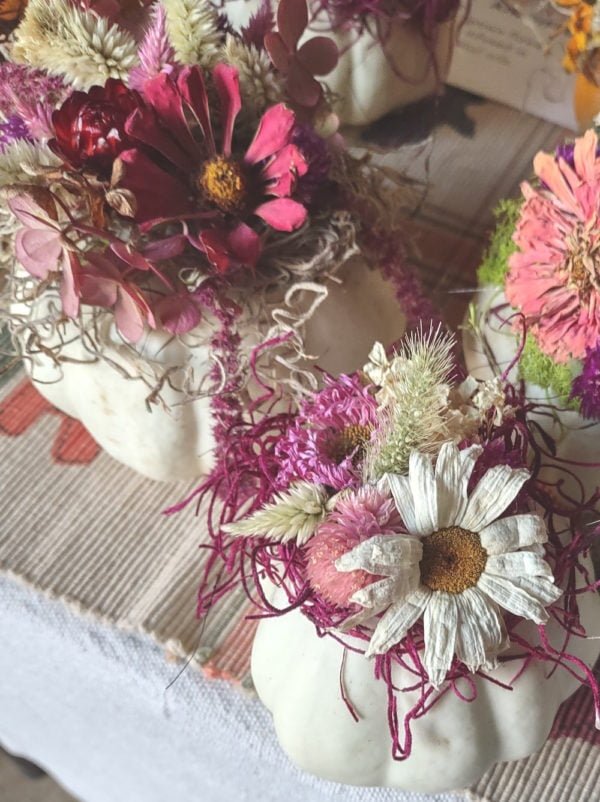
(189, 177)
(326, 443)
(554, 277)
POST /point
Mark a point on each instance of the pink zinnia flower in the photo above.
(362, 515)
(554, 277)
(326, 443)
(188, 177)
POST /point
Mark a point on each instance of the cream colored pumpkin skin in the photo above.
(297, 676)
(172, 440)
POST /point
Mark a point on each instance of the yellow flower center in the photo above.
(351, 440)
(223, 183)
(453, 560)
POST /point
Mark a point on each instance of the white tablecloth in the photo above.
(91, 704)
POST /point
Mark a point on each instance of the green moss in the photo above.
(537, 368)
(494, 266)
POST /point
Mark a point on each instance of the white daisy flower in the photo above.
(458, 566)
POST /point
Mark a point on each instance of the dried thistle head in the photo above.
(414, 400)
(75, 43)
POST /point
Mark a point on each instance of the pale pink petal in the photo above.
(274, 131)
(70, 286)
(97, 290)
(30, 213)
(38, 250)
(584, 156)
(283, 214)
(128, 317)
(227, 82)
(548, 171)
(178, 313)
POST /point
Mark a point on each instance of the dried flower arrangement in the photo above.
(544, 257)
(417, 520)
(163, 173)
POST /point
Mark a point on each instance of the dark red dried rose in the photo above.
(90, 126)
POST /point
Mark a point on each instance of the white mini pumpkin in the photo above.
(297, 676)
(578, 439)
(173, 439)
(367, 82)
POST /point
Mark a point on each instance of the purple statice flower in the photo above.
(30, 94)
(586, 386)
(326, 442)
(316, 152)
(566, 151)
(12, 130)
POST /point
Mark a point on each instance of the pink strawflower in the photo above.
(554, 277)
(365, 513)
(326, 442)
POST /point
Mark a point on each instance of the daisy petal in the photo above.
(453, 470)
(382, 554)
(403, 498)
(424, 492)
(440, 624)
(512, 598)
(481, 634)
(495, 491)
(518, 563)
(359, 618)
(397, 620)
(512, 533)
(542, 589)
(378, 594)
